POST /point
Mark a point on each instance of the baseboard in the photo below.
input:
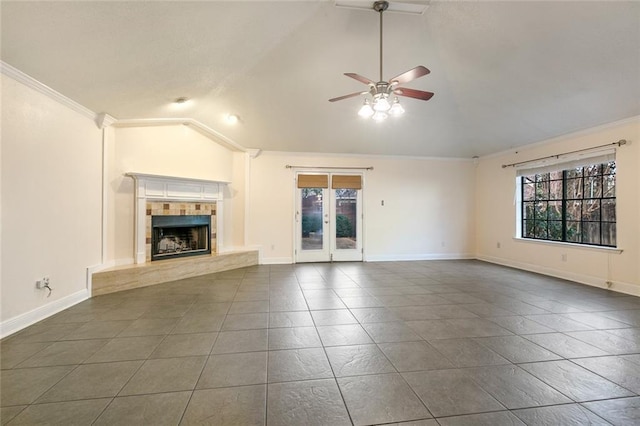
(617, 286)
(16, 324)
(381, 258)
(422, 256)
(276, 261)
(114, 262)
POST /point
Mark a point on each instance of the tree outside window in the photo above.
(576, 205)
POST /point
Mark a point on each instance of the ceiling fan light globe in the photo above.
(381, 104)
(396, 109)
(366, 111)
(380, 116)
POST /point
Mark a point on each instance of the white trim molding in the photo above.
(564, 137)
(15, 324)
(104, 120)
(276, 261)
(207, 131)
(418, 256)
(617, 286)
(34, 84)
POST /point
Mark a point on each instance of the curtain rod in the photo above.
(288, 166)
(619, 143)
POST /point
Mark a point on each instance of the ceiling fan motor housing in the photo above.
(381, 88)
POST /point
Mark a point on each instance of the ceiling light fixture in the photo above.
(378, 105)
(366, 110)
(231, 119)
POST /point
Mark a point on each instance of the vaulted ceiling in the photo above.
(504, 74)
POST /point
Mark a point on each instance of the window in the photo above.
(575, 205)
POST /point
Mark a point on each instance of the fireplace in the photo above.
(158, 196)
(180, 236)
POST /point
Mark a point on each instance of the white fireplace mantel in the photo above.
(150, 187)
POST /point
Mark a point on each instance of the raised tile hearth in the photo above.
(128, 277)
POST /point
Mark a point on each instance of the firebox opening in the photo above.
(179, 236)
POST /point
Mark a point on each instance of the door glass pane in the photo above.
(346, 216)
(311, 221)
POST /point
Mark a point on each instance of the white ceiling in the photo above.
(504, 74)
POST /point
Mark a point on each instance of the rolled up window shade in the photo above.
(346, 182)
(313, 181)
(565, 162)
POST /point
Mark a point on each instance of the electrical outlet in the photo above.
(43, 283)
(563, 257)
(498, 244)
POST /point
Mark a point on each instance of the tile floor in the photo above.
(427, 343)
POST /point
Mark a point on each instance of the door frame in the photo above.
(331, 226)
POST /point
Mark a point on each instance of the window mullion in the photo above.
(564, 205)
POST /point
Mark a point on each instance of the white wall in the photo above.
(496, 216)
(428, 207)
(235, 206)
(172, 150)
(51, 202)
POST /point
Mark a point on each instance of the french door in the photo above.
(328, 217)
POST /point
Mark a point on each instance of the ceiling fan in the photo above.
(378, 106)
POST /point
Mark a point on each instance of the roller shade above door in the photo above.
(346, 182)
(313, 181)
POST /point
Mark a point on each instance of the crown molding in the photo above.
(368, 156)
(105, 120)
(566, 136)
(254, 152)
(195, 124)
(34, 84)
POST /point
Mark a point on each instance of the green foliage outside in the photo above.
(575, 205)
(311, 223)
(344, 227)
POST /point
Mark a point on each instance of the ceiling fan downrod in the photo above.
(380, 6)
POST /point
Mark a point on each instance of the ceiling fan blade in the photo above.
(412, 74)
(350, 95)
(413, 93)
(360, 78)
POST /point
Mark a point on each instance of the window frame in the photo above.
(568, 173)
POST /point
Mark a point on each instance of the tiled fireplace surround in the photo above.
(165, 195)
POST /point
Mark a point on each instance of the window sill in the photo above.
(615, 250)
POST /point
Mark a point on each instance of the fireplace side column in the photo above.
(140, 225)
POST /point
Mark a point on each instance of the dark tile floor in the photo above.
(427, 343)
